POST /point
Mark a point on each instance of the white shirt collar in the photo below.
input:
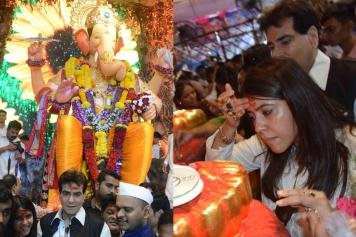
(320, 70)
(80, 216)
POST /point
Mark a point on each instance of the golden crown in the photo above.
(87, 13)
(103, 15)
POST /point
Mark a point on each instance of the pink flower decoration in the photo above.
(347, 205)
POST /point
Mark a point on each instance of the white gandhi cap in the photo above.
(136, 191)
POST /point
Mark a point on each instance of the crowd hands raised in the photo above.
(301, 105)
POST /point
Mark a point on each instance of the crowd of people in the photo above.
(116, 208)
(287, 109)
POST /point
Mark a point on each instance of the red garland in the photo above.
(89, 153)
(117, 145)
(114, 154)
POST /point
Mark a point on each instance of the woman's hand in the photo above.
(234, 108)
(181, 137)
(314, 205)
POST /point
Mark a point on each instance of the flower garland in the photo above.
(120, 103)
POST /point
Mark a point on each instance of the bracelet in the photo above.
(163, 70)
(224, 138)
(35, 63)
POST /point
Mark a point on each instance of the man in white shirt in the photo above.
(11, 150)
(72, 220)
(291, 29)
(3, 126)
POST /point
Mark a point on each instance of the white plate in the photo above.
(185, 178)
(190, 195)
(187, 184)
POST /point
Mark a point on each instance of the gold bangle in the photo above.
(225, 139)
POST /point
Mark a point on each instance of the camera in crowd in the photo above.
(18, 146)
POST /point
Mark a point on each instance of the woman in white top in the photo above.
(302, 140)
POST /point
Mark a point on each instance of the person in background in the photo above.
(134, 203)
(186, 97)
(109, 214)
(155, 173)
(11, 150)
(291, 29)
(106, 186)
(337, 28)
(3, 127)
(159, 205)
(165, 224)
(72, 219)
(13, 183)
(23, 221)
(5, 209)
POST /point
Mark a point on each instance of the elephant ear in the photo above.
(82, 40)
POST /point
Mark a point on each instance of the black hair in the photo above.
(24, 137)
(5, 192)
(102, 175)
(72, 176)
(160, 202)
(107, 201)
(165, 218)
(316, 148)
(3, 111)
(10, 180)
(303, 14)
(23, 202)
(237, 58)
(14, 124)
(343, 12)
(226, 75)
(179, 88)
(255, 55)
(157, 135)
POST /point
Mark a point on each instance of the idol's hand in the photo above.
(35, 52)
(66, 91)
(164, 58)
(150, 113)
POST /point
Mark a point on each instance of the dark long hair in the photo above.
(23, 202)
(317, 150)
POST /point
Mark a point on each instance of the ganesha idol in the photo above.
(100, 101)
